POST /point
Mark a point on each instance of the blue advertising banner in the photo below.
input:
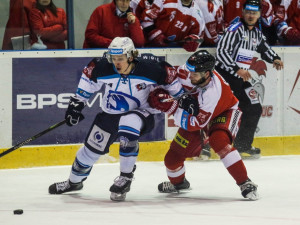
(41, 91)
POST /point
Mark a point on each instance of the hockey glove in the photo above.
(161, 100)
(189, 104)
(73, 114)
(292, 35)
(191, 43)
(157, 38)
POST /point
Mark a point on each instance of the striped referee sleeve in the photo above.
(266, 52)
(225, 50)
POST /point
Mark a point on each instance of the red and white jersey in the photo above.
(174, 20)
(215, 98)
(292, 16)
(213, 13)
(138, 7)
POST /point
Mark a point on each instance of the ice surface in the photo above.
(213, 199)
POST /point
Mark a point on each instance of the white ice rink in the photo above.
(213, 199)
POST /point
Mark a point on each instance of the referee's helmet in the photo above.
(252, 5)
(201, 61)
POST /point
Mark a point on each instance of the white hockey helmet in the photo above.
(120, 46)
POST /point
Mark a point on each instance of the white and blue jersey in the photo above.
(124, 93)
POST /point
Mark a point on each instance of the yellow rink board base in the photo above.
(37, 156)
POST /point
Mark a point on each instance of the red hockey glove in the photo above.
(157, 38)
(156, 98)
(292, 36)
(191, 44)
(266, 9)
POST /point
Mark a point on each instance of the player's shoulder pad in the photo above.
(150, 69)
(234, 27)
(101, 68)
(88, 70)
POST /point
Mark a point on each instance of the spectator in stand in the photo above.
(214, 20)
(18, 22)
(48, 25)
(174, 23)
(288, 15)
(113, 20)
(139, 6)
(233, 12)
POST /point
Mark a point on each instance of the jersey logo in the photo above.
(244, 59)
(219, 119)
(141, 86)
(89, 69)
(171, 74)
(120, 101)
(203, 116)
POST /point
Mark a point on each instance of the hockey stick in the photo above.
(32, 138)
(200, 40)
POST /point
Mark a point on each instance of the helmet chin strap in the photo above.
(129, 63)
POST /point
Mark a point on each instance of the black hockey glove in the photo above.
(189, 104)
(73, 114)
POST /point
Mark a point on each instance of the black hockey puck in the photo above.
(18, 211)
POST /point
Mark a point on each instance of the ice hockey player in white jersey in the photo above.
(126, 113)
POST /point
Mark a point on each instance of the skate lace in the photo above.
(167, 186)
(61, 186)
(121, 181)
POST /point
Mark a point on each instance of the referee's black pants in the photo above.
(251, 112)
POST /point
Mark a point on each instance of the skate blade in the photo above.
(248, 156)
(118, 197)
(253, 196)
(204, 157)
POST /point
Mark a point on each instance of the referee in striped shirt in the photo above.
(234, 55)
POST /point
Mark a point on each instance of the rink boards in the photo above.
(37, 156)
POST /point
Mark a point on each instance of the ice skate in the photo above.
(121, 186)
(65, 186)
(249, 190)
(251, 153)
(205, 152)
(168, 187)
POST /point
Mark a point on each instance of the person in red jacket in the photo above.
(48, 24)
(113, 20)
(18, 22)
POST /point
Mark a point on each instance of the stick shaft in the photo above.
(32, 138)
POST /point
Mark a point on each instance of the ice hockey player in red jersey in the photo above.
(211, 106)
(289, 29)
(173, 22)
(213, 14)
